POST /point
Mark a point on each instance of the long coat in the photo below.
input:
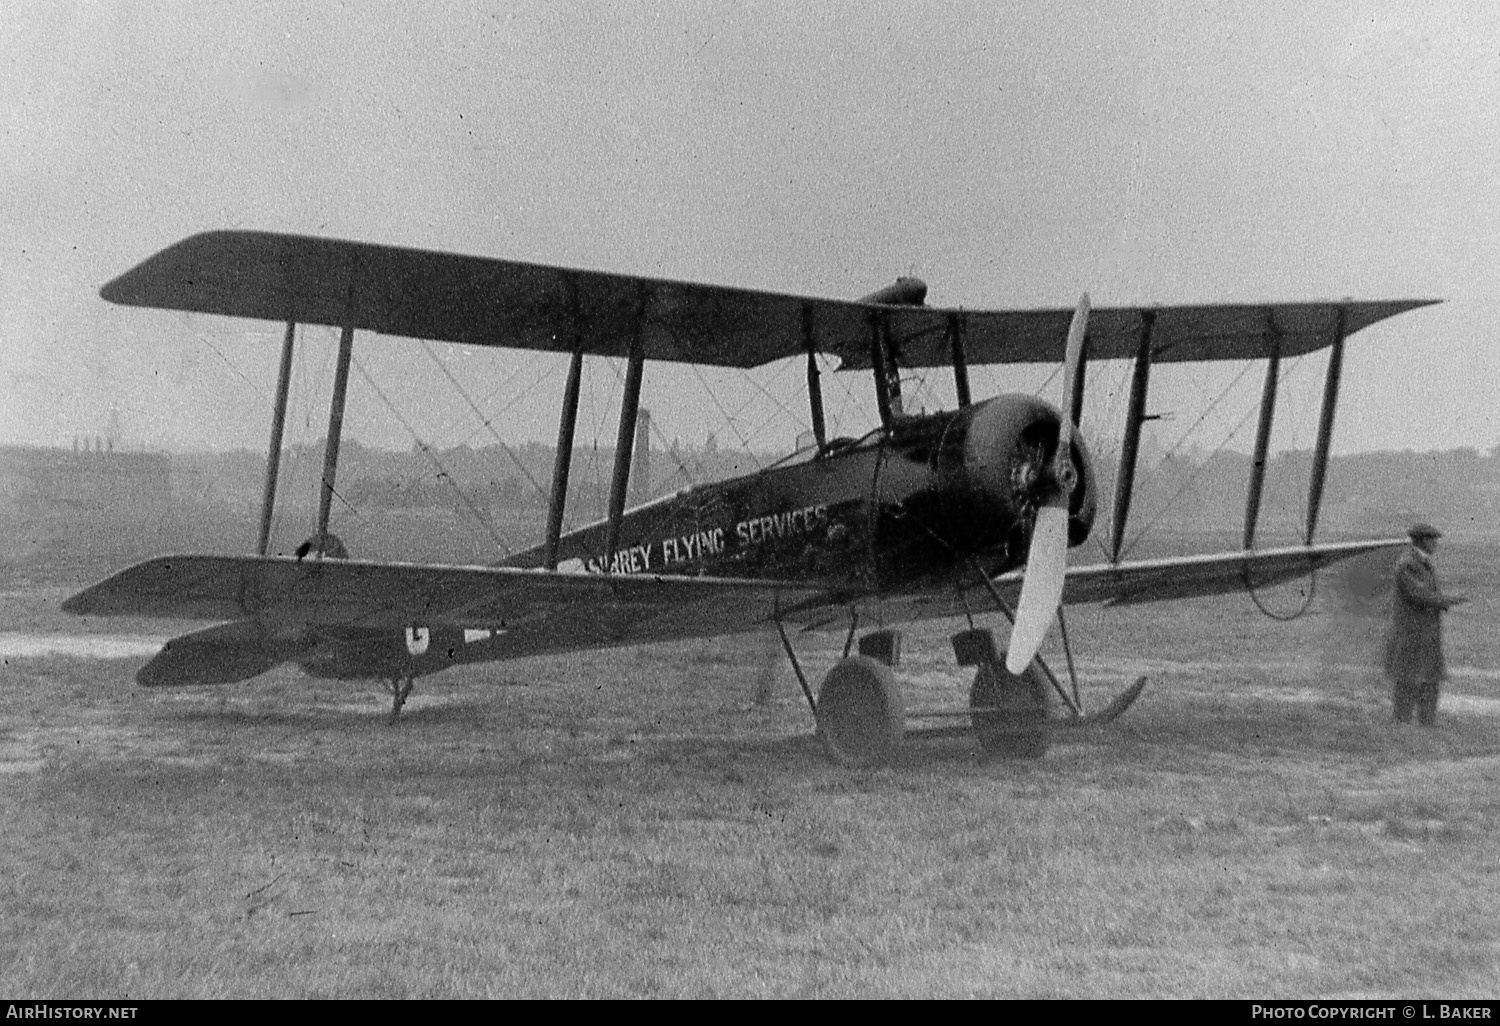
(1414, 646)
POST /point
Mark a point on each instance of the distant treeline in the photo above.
(475, 505)
(516, 477)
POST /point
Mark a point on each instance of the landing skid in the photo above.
(1104, 716)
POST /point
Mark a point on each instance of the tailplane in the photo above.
(225, 654)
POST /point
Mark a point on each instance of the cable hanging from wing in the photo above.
(1307, 599)
(425, 449)
(1250, 587)
(1312, 585)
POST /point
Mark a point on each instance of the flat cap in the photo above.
(1422, 529)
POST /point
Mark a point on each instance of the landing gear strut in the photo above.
(400, 689)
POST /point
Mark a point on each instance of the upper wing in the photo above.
(1178, 333)
(535, 610)
(480, 301)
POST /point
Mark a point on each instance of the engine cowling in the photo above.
(995, 467)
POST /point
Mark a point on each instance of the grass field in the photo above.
(625, 823)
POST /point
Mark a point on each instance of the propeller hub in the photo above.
(998, 467)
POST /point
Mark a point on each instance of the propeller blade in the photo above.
(1074, 353)
(1042, 588)
(1047, 562)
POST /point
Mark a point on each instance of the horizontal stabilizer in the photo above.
(219, 655)
(480, 301)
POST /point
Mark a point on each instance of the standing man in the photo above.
(1414, 648)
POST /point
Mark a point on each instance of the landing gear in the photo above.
(860, 716)
(400, 689)
(1009, 711)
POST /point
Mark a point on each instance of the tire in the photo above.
(1014, 725)
(860, 717)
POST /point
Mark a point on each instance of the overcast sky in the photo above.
(1011, 154)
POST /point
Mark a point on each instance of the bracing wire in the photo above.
(488, 422)
(258, 389)
(533, 366)
(1192, 477)
(797, 418)
(1223, 394)
(522, 393)
(1056, 371)
(426, 449)
(849, 400)
(1186, 484)
(682, 468)
(728, 418)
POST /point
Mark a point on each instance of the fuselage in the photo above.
(902, 508)
(911, 507)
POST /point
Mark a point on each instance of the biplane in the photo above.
(929, 515)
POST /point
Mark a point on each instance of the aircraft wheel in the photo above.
(1015, 723)
(860, 717)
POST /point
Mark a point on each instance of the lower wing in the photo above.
(1179, 577)
(558, 610)
(519, 612)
